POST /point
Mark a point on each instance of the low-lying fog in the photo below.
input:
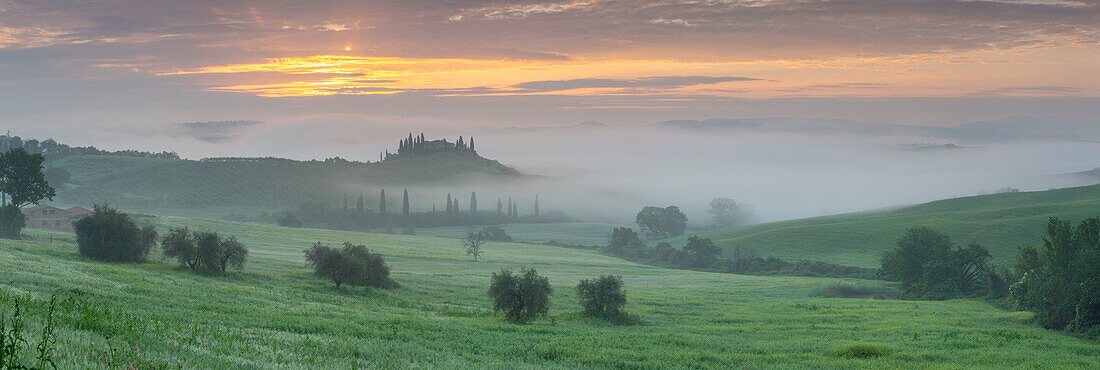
(607, 173)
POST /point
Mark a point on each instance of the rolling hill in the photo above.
(276, 315)
(1000, 222)
(258, 181)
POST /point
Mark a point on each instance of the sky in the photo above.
(121, 73)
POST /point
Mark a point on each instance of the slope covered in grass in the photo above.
(275, 314)
(264, 182)
(1001, 222)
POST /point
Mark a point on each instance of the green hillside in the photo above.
(276, 315)
(1000, 222)
(261, 182)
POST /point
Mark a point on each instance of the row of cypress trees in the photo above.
(452, 207)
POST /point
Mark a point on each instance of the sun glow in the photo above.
(322, 75)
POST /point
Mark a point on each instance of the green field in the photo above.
(275, 314)
(1001, 222)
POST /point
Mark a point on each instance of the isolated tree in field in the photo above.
(22, 178)
(23, 182)
(217, 254)
(179, 243)
(522, 297)
(726, 212)
(473, 242)
(109, 235)
(658, 222)
(624, 242)
(603, 296)
(352, 265)
(473, 204)
(382, 203)
(405, 204)
(701, 252)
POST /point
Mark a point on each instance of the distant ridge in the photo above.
(262, 182)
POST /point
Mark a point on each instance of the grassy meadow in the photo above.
(276, 314)
(1001, 222)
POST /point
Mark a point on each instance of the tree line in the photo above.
(357, 215)
(52, 149)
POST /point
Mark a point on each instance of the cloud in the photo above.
(217, 132)
(1030, 91)
(656, 82)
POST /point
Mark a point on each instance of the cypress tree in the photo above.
(382, 203)
(454, 207)
(536, 206)
(449, 208)
(473, 204)
(500, 207)
(510, 207)
(405, 203)
(359, 204)
(471, 143)
(515, 210)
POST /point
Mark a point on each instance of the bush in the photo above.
(523, 297)
(928, 267)
(12, 222)
(700, 252)
(624, 242)
(1059, 279)
(495, 233)
(352, 265)
(109, 235)
(603, 296)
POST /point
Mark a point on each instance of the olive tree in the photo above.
(603, 296)
(522, 297)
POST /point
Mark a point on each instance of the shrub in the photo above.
(700, 252)
(624, 242)
(603, 296)
(353, 265)
(12, 222)
(495, 233)
(1059, 279)
(522, 297)
(927, 266)
(109, 235)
